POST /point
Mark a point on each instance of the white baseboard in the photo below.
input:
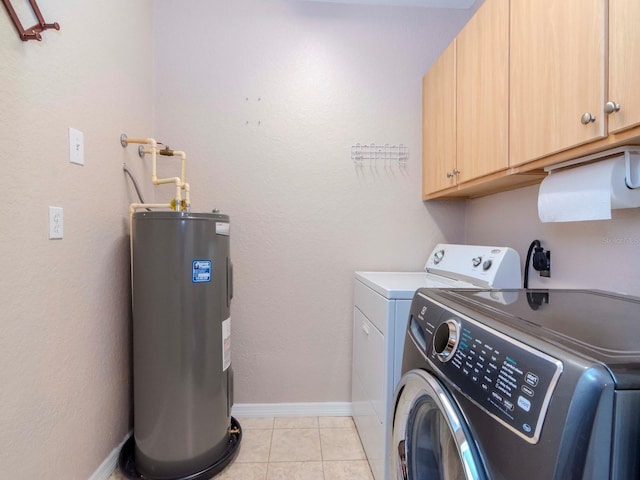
(107, 467)
(325, 409)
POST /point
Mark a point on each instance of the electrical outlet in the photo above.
(76, 146)
(56, 224)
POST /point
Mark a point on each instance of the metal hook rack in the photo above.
(31, 33)
(385, 153)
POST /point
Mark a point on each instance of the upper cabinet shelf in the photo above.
(531, 91)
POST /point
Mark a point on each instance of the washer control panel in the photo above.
(508, 379)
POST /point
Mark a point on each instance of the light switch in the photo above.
(76, 146)
(56, 224)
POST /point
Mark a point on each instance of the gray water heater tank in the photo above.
(182, 285)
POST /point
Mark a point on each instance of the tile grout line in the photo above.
(321, 452)
(273, 428)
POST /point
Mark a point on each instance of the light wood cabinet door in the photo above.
(557, 75)
(439, 123)
(482, 57)
(624, 64)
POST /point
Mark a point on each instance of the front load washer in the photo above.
(381, 309)
(518, 384)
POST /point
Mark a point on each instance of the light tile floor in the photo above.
(296, 448)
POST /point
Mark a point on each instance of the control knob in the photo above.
(438, 256)
(445, 340)
(486, 265)
(476, 261)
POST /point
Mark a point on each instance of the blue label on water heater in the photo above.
(201, 271)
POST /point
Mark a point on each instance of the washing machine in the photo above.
(518, 384)
(381, 308)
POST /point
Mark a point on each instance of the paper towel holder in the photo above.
(631, 163)
(632, 169)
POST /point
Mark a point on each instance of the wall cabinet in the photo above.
(557, 70)
(465, 119)
(482, 79)
(439, 123)
(571, 91)
(623, 101)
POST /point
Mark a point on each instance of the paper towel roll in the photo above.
(588, 192)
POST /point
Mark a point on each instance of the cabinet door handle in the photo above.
(456, 171)
(365, 329)
(611, 107)
(587, 118)
(449, 174)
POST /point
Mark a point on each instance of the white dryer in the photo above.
(381, 307)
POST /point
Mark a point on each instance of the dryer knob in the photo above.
(445, 340)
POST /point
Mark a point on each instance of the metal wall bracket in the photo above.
(31, 33)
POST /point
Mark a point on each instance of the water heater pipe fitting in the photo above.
(180, 182)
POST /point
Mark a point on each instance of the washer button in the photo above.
(528, 390)
(524, 404)
(531, 379)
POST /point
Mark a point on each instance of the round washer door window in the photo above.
(430, 440)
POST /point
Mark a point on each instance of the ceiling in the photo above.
(408, 3)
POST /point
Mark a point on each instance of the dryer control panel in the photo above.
(508, 379)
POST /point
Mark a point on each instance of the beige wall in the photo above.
(303, 218)
(602, 254)
(64, 346)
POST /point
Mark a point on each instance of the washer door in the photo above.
(430, 440)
